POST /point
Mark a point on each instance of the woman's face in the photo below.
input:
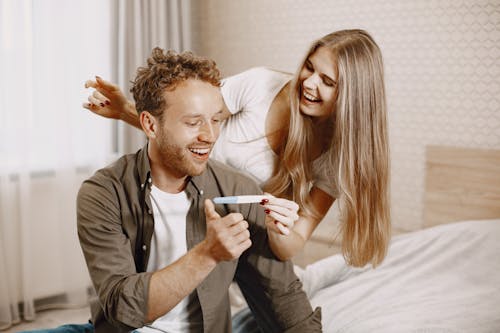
(318, 84)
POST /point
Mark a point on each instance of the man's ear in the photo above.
(149, 124)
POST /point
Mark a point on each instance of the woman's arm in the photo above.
(284, 245)
(108, 101)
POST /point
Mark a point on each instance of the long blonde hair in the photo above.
(358, 152)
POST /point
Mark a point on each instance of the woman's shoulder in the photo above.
(264, 70)
(254, 86)
(258, 74)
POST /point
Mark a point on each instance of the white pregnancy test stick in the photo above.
(240, 199)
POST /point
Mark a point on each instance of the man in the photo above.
(161, 257)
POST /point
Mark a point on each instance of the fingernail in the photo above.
(264, 201)
(101, 104)
(267, 211)
(108, 102)
(91, 105)
(98, 77)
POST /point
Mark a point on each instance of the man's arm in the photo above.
(132, 299)
(226, 239)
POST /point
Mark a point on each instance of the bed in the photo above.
(444, 278)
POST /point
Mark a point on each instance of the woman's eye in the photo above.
(328, 83)
(308, 66)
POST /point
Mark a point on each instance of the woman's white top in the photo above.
(242, 143)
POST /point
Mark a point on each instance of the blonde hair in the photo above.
(358, 152)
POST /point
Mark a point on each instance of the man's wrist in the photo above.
(202, 251)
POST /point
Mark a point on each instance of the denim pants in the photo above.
(242, 322)
(70, 328)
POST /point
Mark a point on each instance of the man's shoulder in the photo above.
(119, 173)
(117, 169)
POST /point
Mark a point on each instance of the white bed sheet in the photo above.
(442, 279)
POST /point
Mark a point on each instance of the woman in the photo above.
(313, 138)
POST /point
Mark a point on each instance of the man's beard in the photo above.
(179, 159)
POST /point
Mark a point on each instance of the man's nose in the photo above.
(208, 133)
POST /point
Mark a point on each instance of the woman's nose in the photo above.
(311, 82)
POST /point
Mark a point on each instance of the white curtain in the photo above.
(48, 145)
(138, 27)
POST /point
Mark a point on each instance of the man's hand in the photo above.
(227, 237)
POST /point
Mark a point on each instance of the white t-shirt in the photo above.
(242, 143)
(167, 245)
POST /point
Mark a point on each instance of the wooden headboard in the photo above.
(461, 184)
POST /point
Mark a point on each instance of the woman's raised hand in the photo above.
(281, 214)
(107, 100)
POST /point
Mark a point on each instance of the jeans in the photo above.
(242, 322)
(70, 328)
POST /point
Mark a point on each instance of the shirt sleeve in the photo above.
(241, 89)
(122, 292)
(323, 176)
(272, 290)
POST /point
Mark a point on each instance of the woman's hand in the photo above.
(281, 214)
(108, 101)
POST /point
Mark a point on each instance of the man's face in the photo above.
(189, 127)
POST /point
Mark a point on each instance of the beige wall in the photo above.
(441, 57)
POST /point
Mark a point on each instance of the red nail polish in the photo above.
(101, 104)
(267, 211)
(108, 102)
(264, 201)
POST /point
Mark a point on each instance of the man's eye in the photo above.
(193, 123)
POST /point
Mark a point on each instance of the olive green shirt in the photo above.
(115, 227)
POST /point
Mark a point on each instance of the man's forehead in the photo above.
(193, 88)
(194, 97)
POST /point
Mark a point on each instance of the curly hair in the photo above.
(165, 70)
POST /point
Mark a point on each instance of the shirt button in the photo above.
(144, 247)
(142, 186)
(149, 180)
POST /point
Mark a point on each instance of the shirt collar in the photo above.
(143, 166)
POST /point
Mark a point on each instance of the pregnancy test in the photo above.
(239, 199)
